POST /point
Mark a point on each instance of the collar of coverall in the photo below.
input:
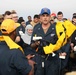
(10, 43)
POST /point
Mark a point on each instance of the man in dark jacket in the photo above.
(12, 61)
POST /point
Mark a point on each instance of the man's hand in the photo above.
(32, 63)
(72, 46)
(29, 56)
(62, 54)
(17, 39)
(35, 44)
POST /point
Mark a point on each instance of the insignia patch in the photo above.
(52, 28)
(52, 34)
(38, 28)
(45, 10)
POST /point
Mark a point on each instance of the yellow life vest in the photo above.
(70, 28)
(62, 39)
(11, 44)
(51, 48)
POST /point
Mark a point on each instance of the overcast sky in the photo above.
(31, 7)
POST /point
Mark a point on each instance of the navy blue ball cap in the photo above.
(45, 10)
